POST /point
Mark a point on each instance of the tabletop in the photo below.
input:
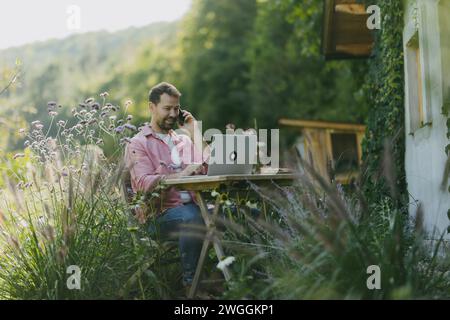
(201, 182)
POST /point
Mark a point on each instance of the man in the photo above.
(158, 153)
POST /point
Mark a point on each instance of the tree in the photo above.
(215, 69)
(290, 78)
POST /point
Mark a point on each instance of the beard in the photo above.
(167, 123)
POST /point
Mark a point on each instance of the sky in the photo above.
(25, 21)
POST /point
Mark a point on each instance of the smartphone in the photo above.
(181, 118)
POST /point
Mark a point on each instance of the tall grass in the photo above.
(63, 205)
(322, 242)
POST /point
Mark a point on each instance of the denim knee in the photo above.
(192, 214)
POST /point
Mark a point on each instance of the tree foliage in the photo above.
(214, 69)
(289, 76)
(234, 61)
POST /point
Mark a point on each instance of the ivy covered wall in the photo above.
(384, 143)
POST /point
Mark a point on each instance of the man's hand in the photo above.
(191, 126)
(191, 169)
(189, 122)
(188, 171)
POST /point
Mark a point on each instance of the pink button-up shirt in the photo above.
(148, 158)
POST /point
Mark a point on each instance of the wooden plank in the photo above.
(350, 8)
(420, 88)
(359, 138)
(319, 151)
(225, 178)
(340, 2)
(199, 269)
(354, 49)
(210, 237)
(351, 29)
(329, 151)
(345, 34)
(321, 124)
(327, 36)
(204, 182)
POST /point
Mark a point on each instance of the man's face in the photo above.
(165, 113)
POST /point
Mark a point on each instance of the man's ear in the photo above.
(151, 106)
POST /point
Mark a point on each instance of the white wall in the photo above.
(425, 157)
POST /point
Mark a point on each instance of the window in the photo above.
(345, 152)
(444, 32)
(415, 84)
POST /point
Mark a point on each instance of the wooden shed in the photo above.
(333, 149)
(345, 32)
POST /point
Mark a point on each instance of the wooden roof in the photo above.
(345, 32)
(321, 125)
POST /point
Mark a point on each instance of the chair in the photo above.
(163, 250)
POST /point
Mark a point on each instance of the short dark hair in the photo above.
(163, 87)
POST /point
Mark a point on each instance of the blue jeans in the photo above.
(181, 219)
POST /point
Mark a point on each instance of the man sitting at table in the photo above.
(157, 153)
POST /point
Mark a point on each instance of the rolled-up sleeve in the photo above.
(142, 169)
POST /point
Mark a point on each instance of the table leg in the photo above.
(198, 271)
(210, 227)
(216, 243)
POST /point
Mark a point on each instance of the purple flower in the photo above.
(130, 127)
(119, 129)
(126, 139)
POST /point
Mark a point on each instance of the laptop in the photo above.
(232, 154)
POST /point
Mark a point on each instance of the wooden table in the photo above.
(201, 183)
